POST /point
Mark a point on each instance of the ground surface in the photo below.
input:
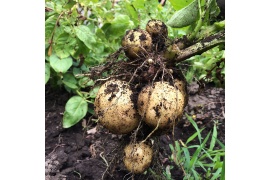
(84, 153)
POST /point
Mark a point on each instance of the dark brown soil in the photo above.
(85, 150)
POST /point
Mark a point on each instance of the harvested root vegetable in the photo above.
(137, 43)
(159, 33)
(114, 107)
(138, 157)
(156, 27)
(161, 105)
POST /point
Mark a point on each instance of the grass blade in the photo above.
(187, 156)
(193, 136)
(221, 144)
(216, 174)
(201, 165)
(223, 171)
(198, 150)
(214, 138)
(195, 126)
(195, 174)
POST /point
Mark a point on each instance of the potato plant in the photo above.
(127, 64)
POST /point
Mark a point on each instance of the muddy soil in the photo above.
(88, 151)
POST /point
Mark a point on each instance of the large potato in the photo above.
(114, 107)
(138, 157)
(161, 103)
(137, 43)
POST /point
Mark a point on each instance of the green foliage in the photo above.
(185, 16)
(75, 110)
(208, 155)
(47, 72)
(209, 67)
(60, 65)
(179, 4)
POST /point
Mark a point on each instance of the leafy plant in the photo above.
(208, 156)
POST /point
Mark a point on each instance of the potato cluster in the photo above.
(157, 104)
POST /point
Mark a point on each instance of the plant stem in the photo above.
(200, 47)
(199, 24)
(209, 30)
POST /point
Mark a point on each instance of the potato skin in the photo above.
(182, 86)
(162, 102)
(138, 157)
(136, 43)
(114, 107)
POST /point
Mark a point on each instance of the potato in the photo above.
(114, 107)
(159, 33)
(138, 157)
(137, 43)
(162, 102)
(156, 28)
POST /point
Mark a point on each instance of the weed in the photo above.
(205, 160)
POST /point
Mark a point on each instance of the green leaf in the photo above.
(179, 4)
(70, 81)
(195, 174)
(187, 156)
(214, 137)
(216, 174)
(93, 92)
(60, 65)
(213, 10)
(117, 27)
(133, 13)
(75, 110)
(47, 72)
(185, 16)
(84, 2)
(79, 49)
(138, 4)
(49, 27)
(64, 44)
(195, 126)
(85, 35)
(194, 136)
(220, 144)
(201, 165)
(223, 170)
(220, 24)
(197, 152)
(86, 81)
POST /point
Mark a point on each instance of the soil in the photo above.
(88, 151)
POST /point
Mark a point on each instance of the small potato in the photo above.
(161, 104)
(137, 43)
(114, 107)
(156, 28)
(138, 157)
(159, 33)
